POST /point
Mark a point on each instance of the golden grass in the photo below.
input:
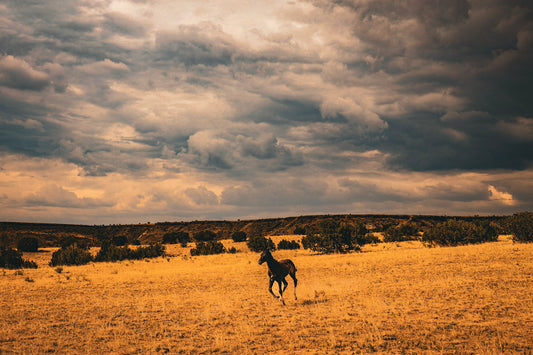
(392, 298)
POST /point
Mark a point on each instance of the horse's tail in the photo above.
(293, 267)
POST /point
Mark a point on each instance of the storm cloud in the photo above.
(119, 111)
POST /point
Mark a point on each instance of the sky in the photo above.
(162, 110)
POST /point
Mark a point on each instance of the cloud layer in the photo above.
(123, 111)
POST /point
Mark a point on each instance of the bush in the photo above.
(70, 240)
(170, 238)
(177, 237)
(150, 251)
(119, 240)
(520, 225)
(299, 231)
(183, 238)
(204, 236)
(239, 236)
(71, 255)
(258, 244)
(285, 244)
(28, 244)
(335, 237)
(12, 259)
(110, 252)
(457, 232)
(371, 239)
(400, 233)
(208, 248)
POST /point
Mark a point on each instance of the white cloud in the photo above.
(503, 197)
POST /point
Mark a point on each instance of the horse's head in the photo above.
(265, 255)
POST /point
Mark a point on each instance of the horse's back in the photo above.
(289, 265)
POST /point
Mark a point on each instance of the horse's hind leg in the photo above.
(295, 283)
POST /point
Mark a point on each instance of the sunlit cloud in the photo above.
(503, 197)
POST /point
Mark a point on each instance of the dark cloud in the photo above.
(478, 52)
(261, 193)
(288, 103)
(239, 153)
(16, 73)
(124, 25)
(195, 45)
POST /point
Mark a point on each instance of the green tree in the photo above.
(28, 244)
(208, 248)
(12, 259)
(119, 240)
(205, 236)
(285, 244)
(259, 243)
(71, 255)
(239, 236)
(458, 232)
(335, 237)
(170, 238)
(402, 232)
(520, 225)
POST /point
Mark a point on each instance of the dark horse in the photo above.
(277, 271)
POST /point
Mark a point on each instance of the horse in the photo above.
(277, 271)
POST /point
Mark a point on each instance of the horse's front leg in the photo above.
(285, 284)
(271, 282)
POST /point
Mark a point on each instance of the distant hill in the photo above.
(50, 235)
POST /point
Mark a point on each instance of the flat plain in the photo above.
(400, 298)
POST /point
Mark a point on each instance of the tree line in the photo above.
(328, 236)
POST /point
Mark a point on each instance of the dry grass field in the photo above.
(391, 298)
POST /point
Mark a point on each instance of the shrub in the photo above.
(335, 237)
(400, 233)
(71, 255)
(70, 240)
(207, 248)
(119, 240)
(371, 239)
(110, 252)
(12, 259)
(28, 244)
(183, 238)
(205, 236)
(520, 225)
(258, 244)
(174, 237)
(299, 231)
(170, 238)
(150, 251)
(457, 232)
(239, 236)
(285, 244)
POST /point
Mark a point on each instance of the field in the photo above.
(391, 298)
